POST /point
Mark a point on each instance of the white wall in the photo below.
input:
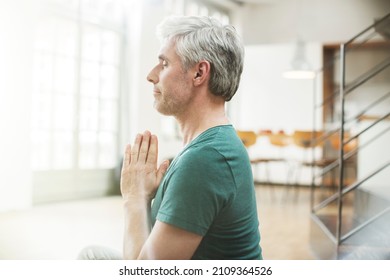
(315, 20)
(16, 21)
(265, 99)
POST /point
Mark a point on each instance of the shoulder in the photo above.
(220, 140)
(202, 161)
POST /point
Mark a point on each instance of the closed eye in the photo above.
(163, 60)
(164, 63)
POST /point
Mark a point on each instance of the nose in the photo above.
(153, 76)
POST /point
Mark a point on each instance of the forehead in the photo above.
(168, 50)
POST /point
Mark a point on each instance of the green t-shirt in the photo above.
(208, 190)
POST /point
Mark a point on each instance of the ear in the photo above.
(201, 72)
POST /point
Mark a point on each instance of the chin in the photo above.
(161, 110)
(164, 113)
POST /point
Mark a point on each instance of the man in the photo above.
(203, 206)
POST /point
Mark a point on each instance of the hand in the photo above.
(140, 177)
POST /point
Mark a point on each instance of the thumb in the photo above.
(161, 170)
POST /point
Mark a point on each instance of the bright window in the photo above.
(76, 85)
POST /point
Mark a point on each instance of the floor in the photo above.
(284, 216)
(59, 231)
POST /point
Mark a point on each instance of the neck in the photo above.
(201, 118)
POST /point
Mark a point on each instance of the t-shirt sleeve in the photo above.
(197, 191)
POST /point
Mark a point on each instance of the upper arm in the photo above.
(169, 242)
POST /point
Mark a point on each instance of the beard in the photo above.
(172, 102)
(161, 107)
(165, 106)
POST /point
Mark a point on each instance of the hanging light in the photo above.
(300, 68)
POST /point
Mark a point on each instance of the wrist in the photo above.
(132, 200)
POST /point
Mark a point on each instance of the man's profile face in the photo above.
(172, 84)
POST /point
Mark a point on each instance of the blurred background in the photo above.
(73, 92)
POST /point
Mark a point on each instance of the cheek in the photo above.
(174, 81)
(164, 79)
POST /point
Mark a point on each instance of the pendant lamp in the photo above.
(300, 68)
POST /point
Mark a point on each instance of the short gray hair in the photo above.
(205, 38)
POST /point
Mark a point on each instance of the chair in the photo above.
(304, 139)
(282, 140)
(247, 137)
(335, 142)
(308, 140)
(279, 139)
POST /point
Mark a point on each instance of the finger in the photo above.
(144, 149)
(162, 170)
(135, 149)
(127, 155)
(153, 150)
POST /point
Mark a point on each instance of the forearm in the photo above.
(140, 179)
(137, 227)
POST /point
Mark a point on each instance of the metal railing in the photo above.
(341, 93)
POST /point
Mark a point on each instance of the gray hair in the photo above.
(205, 38)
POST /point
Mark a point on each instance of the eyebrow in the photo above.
(163, 57)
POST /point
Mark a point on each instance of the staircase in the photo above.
(350, 197)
